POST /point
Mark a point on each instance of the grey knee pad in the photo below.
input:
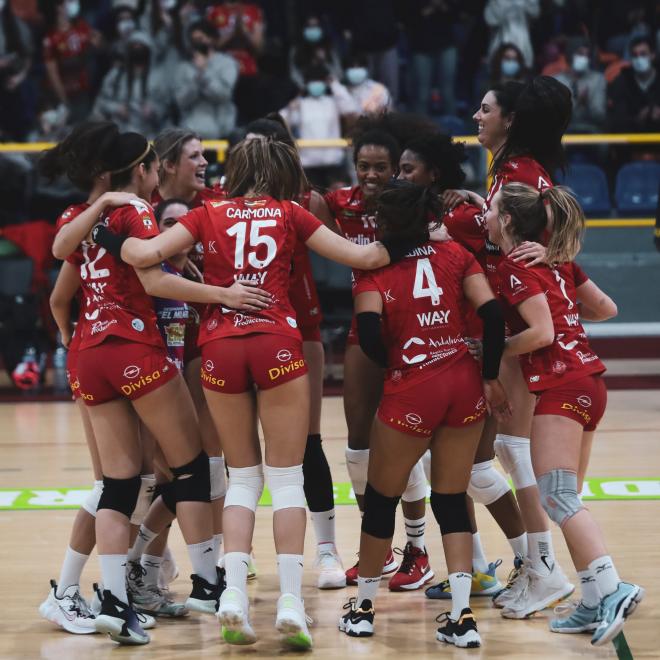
(559, 496)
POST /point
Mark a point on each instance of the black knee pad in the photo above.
(166, 491)
(120, 494)
(192, 482)
(318, 480)
(379, 513)
(451, 512)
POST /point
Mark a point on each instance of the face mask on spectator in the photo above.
(167, 5)
(125, 26)
(510, 67)
(313, 33)
(201, 47)
(316, 88)
(356, 75)
(641, 63)
(72, 8)
(580, 63)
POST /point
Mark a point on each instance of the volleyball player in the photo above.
(410, 320)
(544, 305)
(251, 236)
(376, 155)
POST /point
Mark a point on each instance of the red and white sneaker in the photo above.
(389, 567)
(414, 571)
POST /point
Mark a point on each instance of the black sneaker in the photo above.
(204, 595)
(358, 621)
(461, 633)
(119, 621)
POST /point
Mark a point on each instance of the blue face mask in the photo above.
(641, 63)
(316, 88)
(510, 67)
(72, 8)
(356, 75)
(313, 33)
(580, 63)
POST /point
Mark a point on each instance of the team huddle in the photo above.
(199, 318)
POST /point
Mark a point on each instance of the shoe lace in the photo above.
(443, 618)
(136, 573)
(351, 604)
(82, 606)
(565, 609)
(408, 561)
(326, 559)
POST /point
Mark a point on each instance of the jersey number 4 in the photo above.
(239, 230)
(425, 284)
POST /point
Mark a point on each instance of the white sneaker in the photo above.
(252, 567)
(539, 592)
(169, 571)
(291, 622)
(331, 571)
(69, 612)
(233, 611)
(515, 583)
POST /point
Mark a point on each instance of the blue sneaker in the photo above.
(483, 584)
(614, 609)
(575, 618)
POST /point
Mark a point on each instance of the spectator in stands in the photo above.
(634, 97)
(161, 20)
(16, 109)
(203, 86)
(68, 44)
(509, 23)
(313, 45)
(430, 29)
(507, 65)
(588, 88)
(317, 114)
(371, 97)
(135, 93)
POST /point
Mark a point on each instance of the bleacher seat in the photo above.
(589, 184)
(451, 125)
(637, 188)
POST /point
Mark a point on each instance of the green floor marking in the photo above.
(621, 647)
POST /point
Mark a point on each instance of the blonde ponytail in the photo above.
(566, 224)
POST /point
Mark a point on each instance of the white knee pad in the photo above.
(416, 488)
(516, 459)
(218, 477)
(487, 484)
(91, 502)
(286, 487)
(145, 495)
(426, 464)
(558, 490)
(357, 464)
(245, 487)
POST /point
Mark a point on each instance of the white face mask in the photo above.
(72, 8)
(641, 63)
(125, 26)
(168, 5)
(580, 63)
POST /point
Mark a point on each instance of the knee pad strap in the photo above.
(192, 482)
(559, 497)
(245, 487)
(451, 513)
(286, 486)
(487, 484)
(357, 464)
(147, 486)
(516, 459)
(218, 477)
(379, 513)
(120, 494)
(416, 488)
(91, 503)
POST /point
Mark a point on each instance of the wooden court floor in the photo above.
(42, 446)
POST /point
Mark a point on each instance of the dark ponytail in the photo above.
(130, 150)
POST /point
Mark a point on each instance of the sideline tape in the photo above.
(39, 499)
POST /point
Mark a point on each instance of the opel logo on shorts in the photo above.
(584, 401)
(284, 355)
(413, 419)
(209, 366)
(131, 372)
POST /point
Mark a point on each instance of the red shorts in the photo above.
(453, 397)
(582, 400)
(232, 365)
(305, 302)
(310, 332)
(72, 371)
(121, 368)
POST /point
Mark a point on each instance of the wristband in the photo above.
(112, 242)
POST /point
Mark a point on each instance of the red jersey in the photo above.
(201, 196)
(423, 326)
(250, 239)
(569, 357)
(69, 49)
(115, 303)
(347, 205)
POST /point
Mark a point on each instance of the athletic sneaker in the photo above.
(331, 571)
(169, 571)
(119, 621)
(135, 573)
(151, 600)
(539, 592)
(70, 612)
(358, 621)
(233, 610)
(514, 582)
(146, 621)
(252, 567)
(291, 622)
(414, 571)
(204, 595)
(389, 567)
(462, 633)
(574, 618)
(483, 584)
(614, 609)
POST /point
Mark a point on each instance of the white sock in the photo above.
(113, 575)
(203, 561)
(144, 537)
(415, 531)
(290, 569)
(324, 526)
(236, 568)
(367, 589)
(479, 561)
(72, 568)
(151, 564)
(519, 545)
(217, 548)
(460, 584)
(541, 552)
(606, 575)
(589, 587)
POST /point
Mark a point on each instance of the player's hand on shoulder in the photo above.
(532, 253)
